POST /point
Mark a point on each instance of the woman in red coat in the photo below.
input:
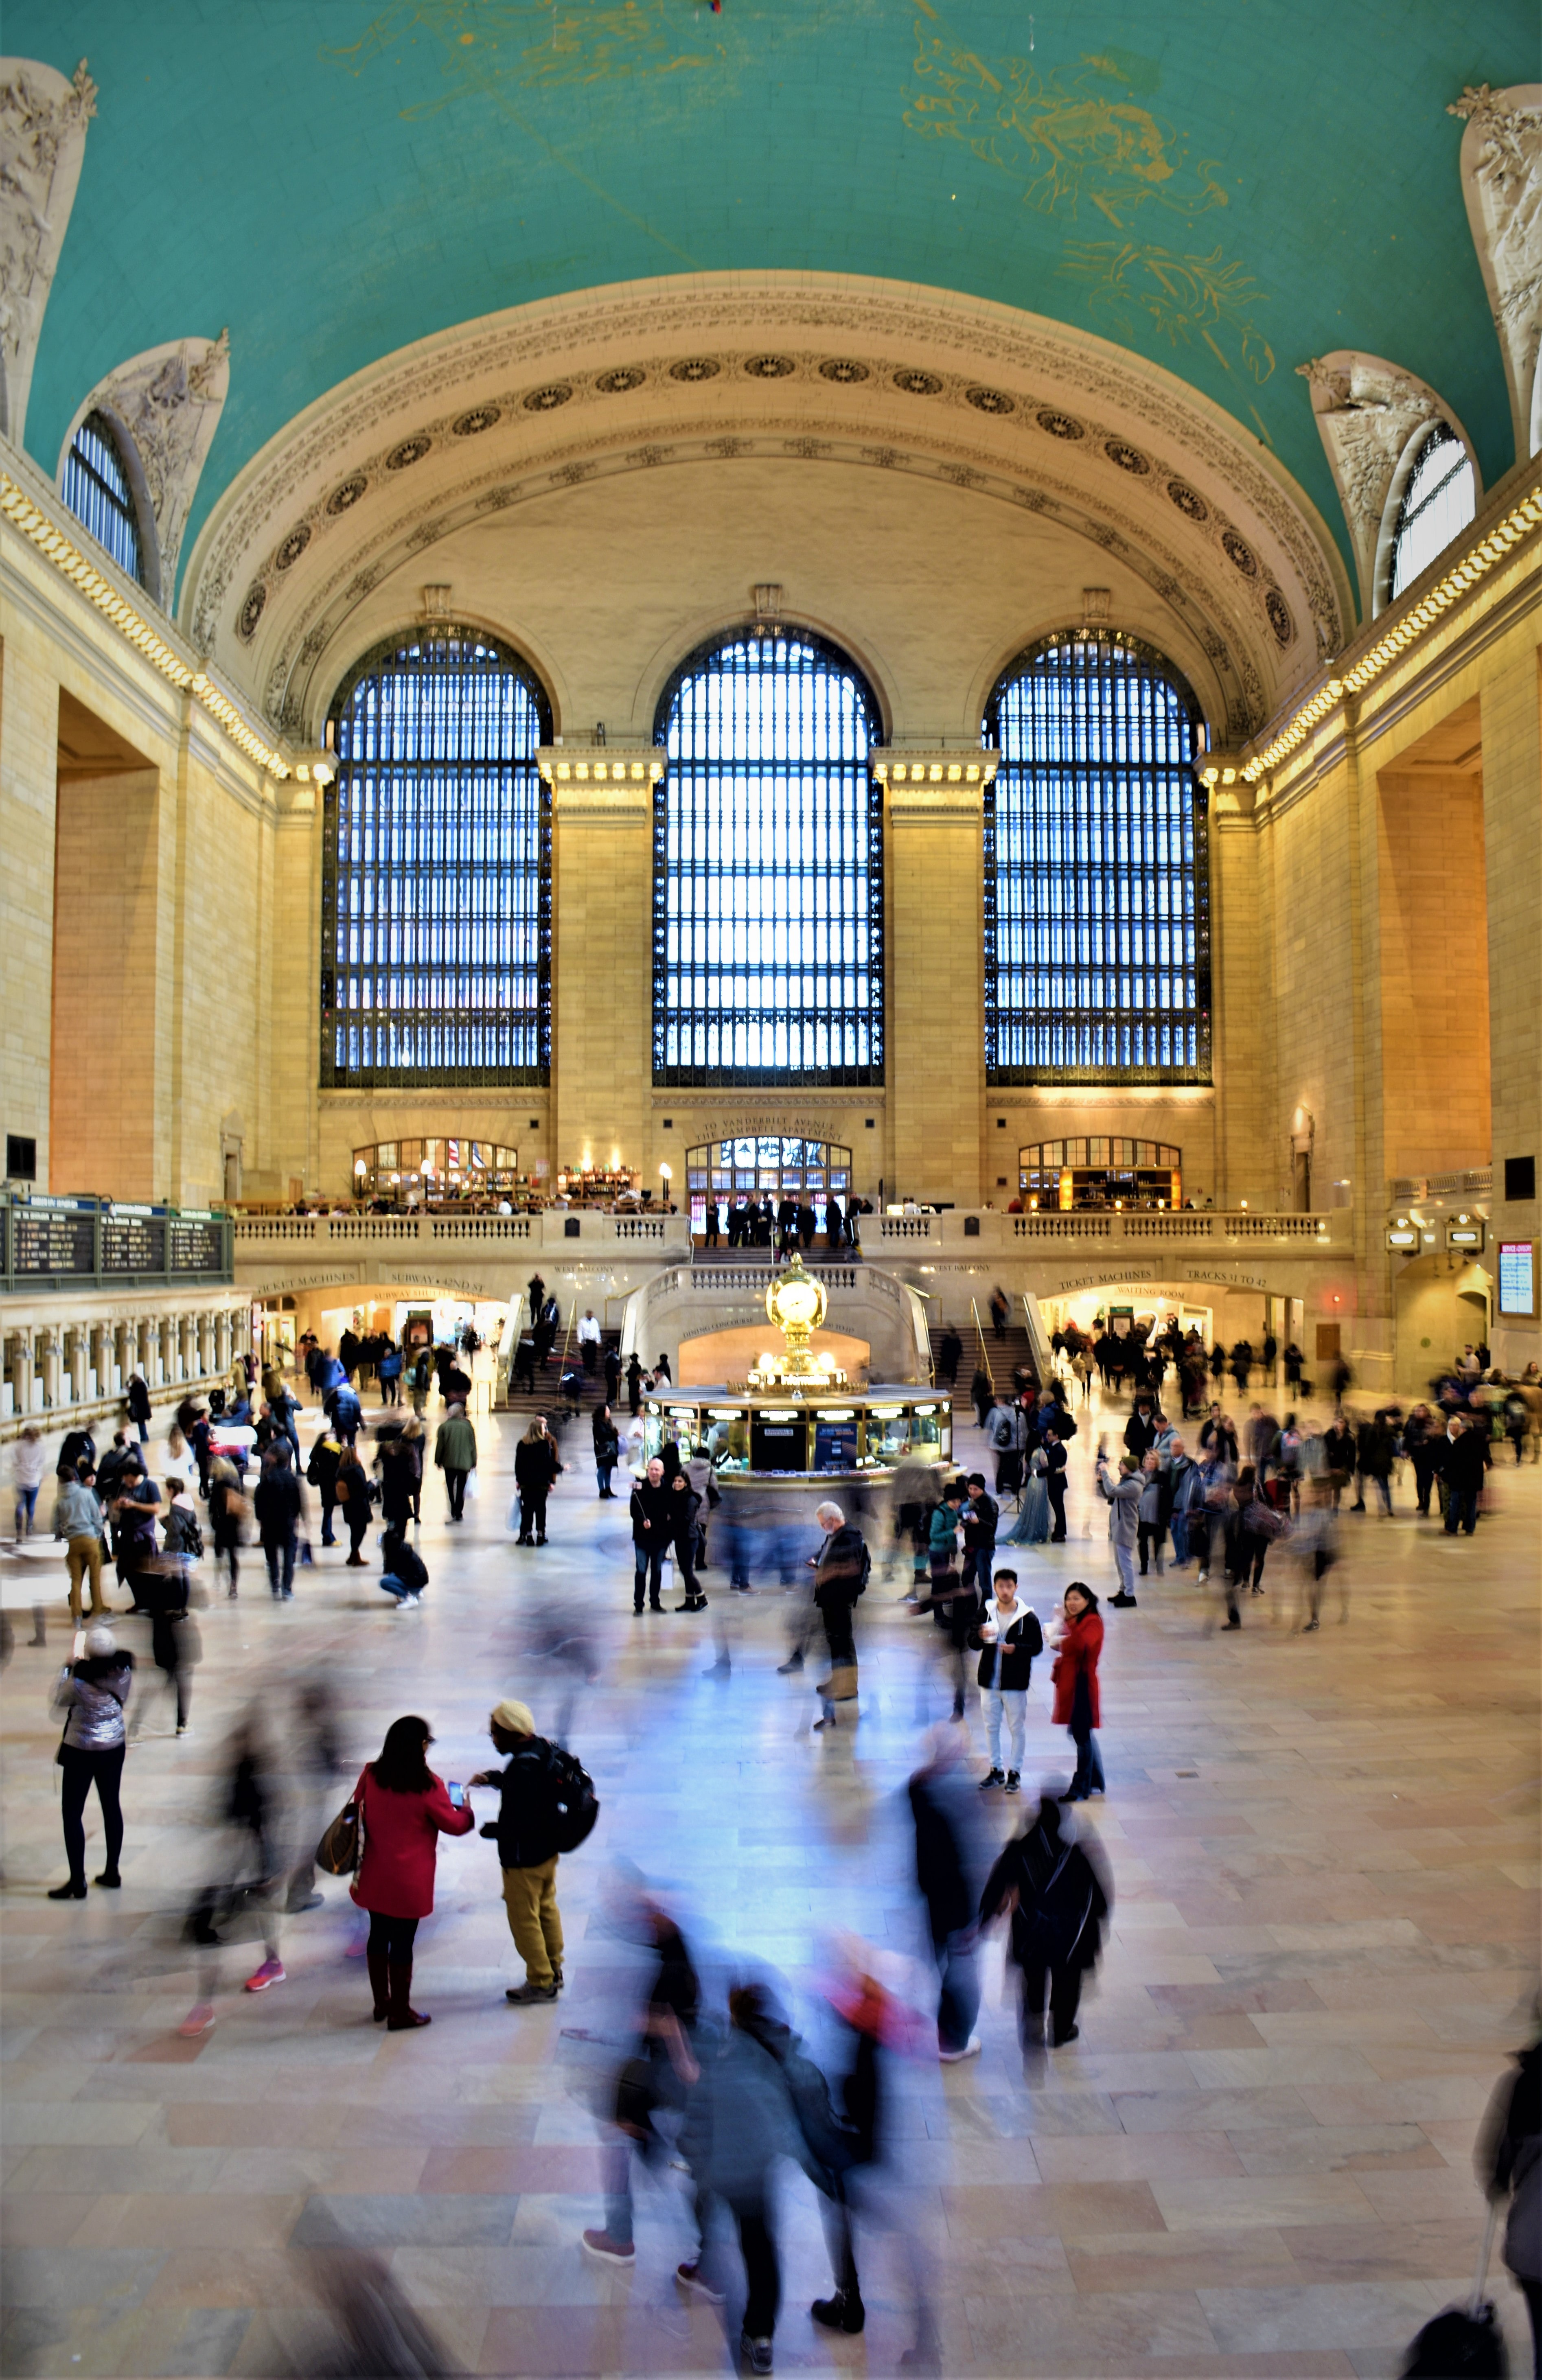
(1075, 1679)
(404, 1808)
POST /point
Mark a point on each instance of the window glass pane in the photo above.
(1096, 872)
(768, 909)
(436, 898)
(95, 487)
(1438, 503)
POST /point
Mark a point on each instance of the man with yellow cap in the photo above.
(528, 1849)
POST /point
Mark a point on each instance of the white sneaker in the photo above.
(956, 2057)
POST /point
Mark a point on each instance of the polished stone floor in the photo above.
(1254, 2160)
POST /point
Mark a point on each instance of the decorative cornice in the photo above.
(934, 769)
(1415, 616)
(564, 766)
(106, 588)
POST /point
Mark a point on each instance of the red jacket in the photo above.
(1077, 1656)
(401, 1839)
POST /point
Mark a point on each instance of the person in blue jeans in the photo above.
(28, 1468)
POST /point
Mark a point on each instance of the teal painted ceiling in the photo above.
(1226, 186)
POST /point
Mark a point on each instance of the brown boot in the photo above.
(379, 1983)
(403, 2017)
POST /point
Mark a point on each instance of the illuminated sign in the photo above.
(1518, 1277)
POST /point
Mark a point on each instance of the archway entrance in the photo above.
(762, 1165)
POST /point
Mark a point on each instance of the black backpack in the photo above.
(575, 1802)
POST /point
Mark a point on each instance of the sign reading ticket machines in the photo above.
(1518, 1277)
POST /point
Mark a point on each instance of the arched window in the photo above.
(99, 492)
(1097, 884)
(436, 882)
(1438, 499)
(768, 886)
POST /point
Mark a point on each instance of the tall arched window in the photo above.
(768, 883)
(97, 487)
(1438, 499)
(436, 885)
(1097, 884)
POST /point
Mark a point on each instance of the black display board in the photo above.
(53, 1239)
(778, 1443)
(133, 1243)
(194, 1246)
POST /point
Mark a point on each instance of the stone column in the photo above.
(223, 1340)
(76, 1357)
(50, 1362)
(19, 1362)
(934, 817)
(102, 1337)
(601, 955)
(126, 1351)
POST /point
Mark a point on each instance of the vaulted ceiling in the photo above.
(1225, 190)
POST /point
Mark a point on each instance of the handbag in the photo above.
(341, 1849)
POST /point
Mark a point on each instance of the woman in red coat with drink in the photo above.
(1078, 1705)
(404, 1809)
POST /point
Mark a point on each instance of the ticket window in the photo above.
(726, 1440)
(779, 1441)
(837, 1437)
(926, 1434)
(682, 1423)
(888, 1437)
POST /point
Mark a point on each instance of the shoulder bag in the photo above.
(341, 1849)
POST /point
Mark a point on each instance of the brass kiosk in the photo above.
(795, 1423)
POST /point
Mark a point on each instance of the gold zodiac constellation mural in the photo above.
(491, 46)
(1075, 144)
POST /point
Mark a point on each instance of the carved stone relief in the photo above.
(1123, 419)
(43, 115)
(168, 401)
(1368, 412)
(1502, 181)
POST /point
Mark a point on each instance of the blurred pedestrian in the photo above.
(740, 2123)
(227, 1514)
(1509, 2164)
(1007, 1635)
(29, 1467)
(279, 1503)
(1078, 1642)
(404, 1808)
(92, 1693)
(840, 1573)
(654, 2077)
(1058, 1896)
(950, 1868)
(244, 1894)
(137, 1398)
(326, 1455)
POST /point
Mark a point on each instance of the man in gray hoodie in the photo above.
(1123, 1498)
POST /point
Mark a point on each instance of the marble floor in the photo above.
(1255, 2160)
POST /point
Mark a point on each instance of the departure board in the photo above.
(52, 1239)
(133, 1241)
(195, 1243)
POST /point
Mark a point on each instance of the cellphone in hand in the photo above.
(457, 1795)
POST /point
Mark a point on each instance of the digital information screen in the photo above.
(835, 1444)
(133, 1241)
(1518, 1277)
(194, 1243)
(778, 1444)
(53, 1239)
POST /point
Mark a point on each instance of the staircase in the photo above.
(1002, 1356)
(546, 1396)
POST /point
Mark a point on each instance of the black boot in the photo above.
(403, 2016)
(380, 1984)
(845, 2311)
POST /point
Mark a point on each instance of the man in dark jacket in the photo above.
(652, 1534)
(1140, 1430)
(526, 1835)
(980, 1514)
(841, 1568)
(1059, 1896)
(1463, 1459)
(949, 1865)
(278, 1503)
(1054, 1479)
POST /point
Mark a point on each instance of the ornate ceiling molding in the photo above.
(1370, 415)
(1502, 181)
(167, 404)
(999, 403)
(43, 115)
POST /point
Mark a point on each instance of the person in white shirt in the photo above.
(589, 1341)
(1007, 1638)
